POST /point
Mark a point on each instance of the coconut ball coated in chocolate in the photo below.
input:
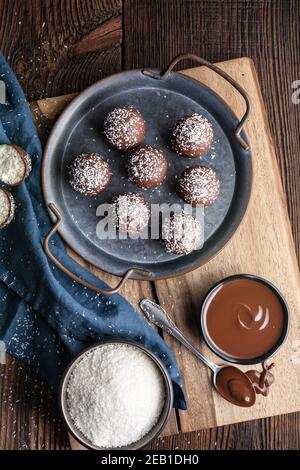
(181, 233)
(198, 185)
(147, 167)
(131, 213)
(89, 174)
(124, 128)
(192, 136)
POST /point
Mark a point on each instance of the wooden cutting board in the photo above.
(263, 245)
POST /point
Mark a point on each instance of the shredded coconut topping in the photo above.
(27, 161)
(199, 185)
(131, 212)
(15, 164)
(89, 173)
(192, 135)
(124, 128)
(147, 167)
(115, 395)
(181, 233)
(7, 208)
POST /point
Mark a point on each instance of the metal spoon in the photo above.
(157, 315)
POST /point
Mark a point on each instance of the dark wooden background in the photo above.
(61, 46)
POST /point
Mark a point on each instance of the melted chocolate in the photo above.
(235, 386)
(244, 318)
(263, 380)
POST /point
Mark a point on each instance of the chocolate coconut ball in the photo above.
(124, 128)
(131, 213)
(147, 167)
(181, 234)
(192, 136)
(198, 185)
(89, 174)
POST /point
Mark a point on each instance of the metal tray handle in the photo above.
(52, 207)
(215, 68)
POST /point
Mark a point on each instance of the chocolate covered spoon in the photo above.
(230, 382)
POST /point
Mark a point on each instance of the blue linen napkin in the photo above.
(45, 317)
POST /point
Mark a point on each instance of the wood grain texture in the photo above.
(153, 32)
(59, 47)
(29, 414)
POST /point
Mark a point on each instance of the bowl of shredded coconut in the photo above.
(117, 394)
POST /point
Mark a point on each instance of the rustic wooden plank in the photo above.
(60, 47)
(100, 39)
(29, 413)
(268, 434)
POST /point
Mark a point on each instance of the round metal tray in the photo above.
(162, 99)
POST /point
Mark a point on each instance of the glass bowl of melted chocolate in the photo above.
(244, 319)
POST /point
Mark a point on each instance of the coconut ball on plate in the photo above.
(89, 174)
(124, 128)
(192, 136)
(198, 185)
(131, 212)
(181, 234)
(147, 167)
